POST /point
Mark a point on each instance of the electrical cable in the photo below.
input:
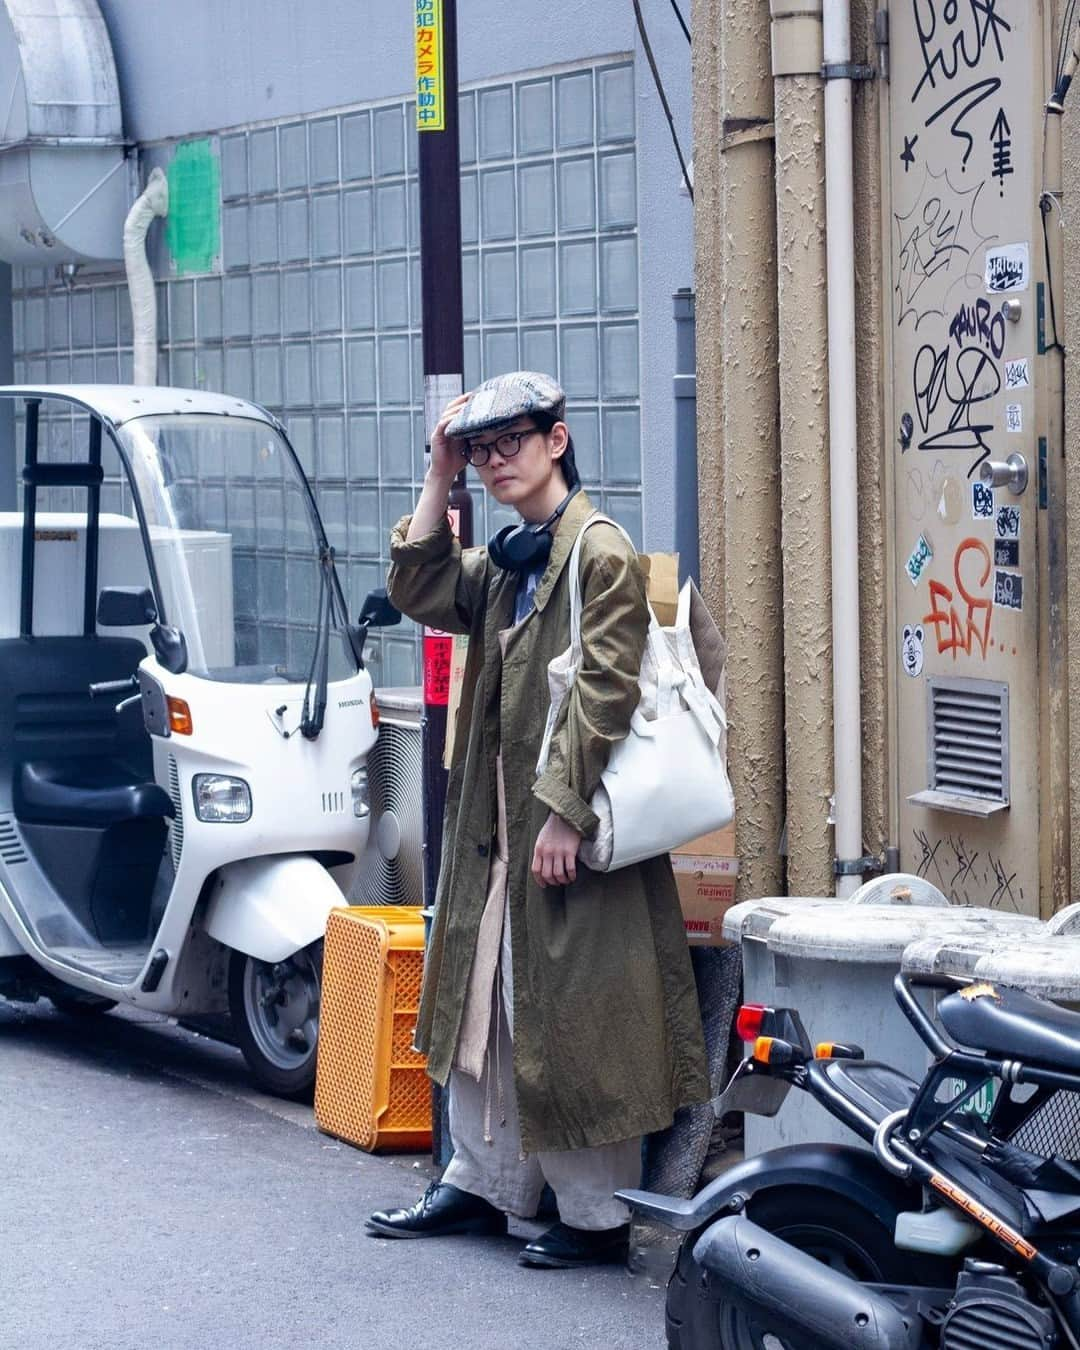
(1046, 205)
(663, 96)
(682, 21)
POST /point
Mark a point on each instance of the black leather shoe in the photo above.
(441, 1211)
(563, 1247)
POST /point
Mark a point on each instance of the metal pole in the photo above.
(8, 496)
(686, 462)
(443, 348)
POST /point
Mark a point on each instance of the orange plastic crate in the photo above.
(371, 1087)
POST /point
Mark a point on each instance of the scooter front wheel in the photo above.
(275, 1016)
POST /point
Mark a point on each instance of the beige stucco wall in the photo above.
(737, 288)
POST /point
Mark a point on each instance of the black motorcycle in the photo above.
(958, 1230)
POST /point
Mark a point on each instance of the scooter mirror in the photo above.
(170, 648)
(126, 607)
(378, 612)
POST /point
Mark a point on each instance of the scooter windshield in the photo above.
(235, 545)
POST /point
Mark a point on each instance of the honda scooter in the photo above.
(958, 1228)
(184, 718)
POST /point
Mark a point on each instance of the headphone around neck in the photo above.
(525, 547)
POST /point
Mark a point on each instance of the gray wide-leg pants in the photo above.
(584, 1180)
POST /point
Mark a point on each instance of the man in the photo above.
(558, 1003)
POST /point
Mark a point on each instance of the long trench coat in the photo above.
(607, 1032)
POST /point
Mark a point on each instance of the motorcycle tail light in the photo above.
(749, 1021)
(180, 723)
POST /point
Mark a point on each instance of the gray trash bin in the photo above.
(835, 962)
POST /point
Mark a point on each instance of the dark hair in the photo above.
(544, 422)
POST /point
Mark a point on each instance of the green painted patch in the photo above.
(193, 225)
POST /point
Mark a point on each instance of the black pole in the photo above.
(443, 348)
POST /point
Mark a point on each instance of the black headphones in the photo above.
(524, 547)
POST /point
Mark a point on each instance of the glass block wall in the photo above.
(312, 307)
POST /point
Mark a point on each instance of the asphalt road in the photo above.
(152, 1199)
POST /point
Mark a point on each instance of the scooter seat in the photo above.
(1013, 1025)
(88, 792)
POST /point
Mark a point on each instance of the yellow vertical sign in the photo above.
(430, 101)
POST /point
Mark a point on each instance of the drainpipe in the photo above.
(804, 492)
(843, 459)
(745, 315)
(153, 202)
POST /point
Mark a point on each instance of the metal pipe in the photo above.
(843, 457)
(804, 396)
(153, 202)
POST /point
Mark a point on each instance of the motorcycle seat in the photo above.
(1013, 1025)
(85, 792)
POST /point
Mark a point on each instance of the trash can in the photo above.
(835, 962)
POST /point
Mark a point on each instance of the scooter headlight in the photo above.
(220, 799)
(361, 799)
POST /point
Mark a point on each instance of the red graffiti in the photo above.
(956, 633)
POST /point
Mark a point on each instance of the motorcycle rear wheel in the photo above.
(833, 1230)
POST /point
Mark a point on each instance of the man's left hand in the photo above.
(554, 860)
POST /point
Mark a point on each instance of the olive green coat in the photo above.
(607, 1032)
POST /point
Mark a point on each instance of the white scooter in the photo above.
(184, 718)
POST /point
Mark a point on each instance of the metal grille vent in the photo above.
(994, 1324)
(11, 850)
(968, 730)
(333, 803)
(391, 870)
(176, 825)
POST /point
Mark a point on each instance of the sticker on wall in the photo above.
(1007, 522)
(1009, 590)
(921, 554)
(1006, 552)
(1014, 417)
(982, 502)
(1008, 268)
(1017, 374)
(911, 650)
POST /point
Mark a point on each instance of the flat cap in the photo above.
(497, 402)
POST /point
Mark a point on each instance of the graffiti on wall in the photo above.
(968, 876)
(961, 617)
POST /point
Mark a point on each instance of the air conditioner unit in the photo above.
(391, 870)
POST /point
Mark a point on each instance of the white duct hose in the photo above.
(844, 503)
(153, 202)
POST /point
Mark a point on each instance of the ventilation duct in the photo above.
(64, 178)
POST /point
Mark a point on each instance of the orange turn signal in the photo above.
(374, 712)
(834, 1050)
(823, 1050)
(180, 723)
(763, 1049)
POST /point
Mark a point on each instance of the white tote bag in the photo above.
(667, 782)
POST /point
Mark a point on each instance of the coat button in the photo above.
(482, 849)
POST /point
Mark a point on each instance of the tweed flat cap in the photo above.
(497, 402)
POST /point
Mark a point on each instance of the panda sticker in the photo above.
(911, 650)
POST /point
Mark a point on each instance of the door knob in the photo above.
(1011, 473)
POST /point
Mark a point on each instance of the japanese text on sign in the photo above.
(430, 103)
(438, 654)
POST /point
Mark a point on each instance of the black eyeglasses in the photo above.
(477, 453)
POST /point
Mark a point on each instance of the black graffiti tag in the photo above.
(972, 26)
(978, 322)
(953, 38)
(957, 385)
